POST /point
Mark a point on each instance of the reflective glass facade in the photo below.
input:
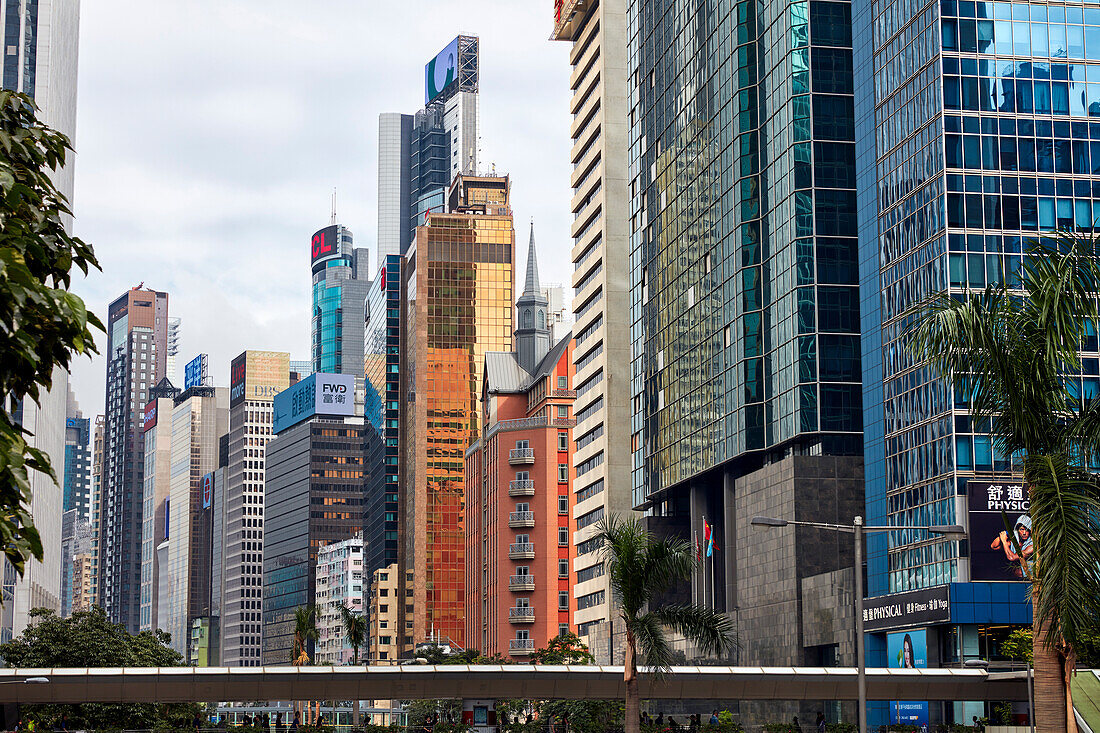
(976, 136)
(745, 315)
(383, 413)
(340, 287)
(459, 282)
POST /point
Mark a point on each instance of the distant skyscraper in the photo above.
(559, 313)
(155, 497)
(136, 351)
(459, 284)
(173, 351)
(341, 275)
(419, 155)
(76, 547)
(78, 461)
(39, 41)
(255, 378)
(601, 282)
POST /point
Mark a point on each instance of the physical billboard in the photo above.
(258, 376)
(196, 372)
(441, 72)
(993, 554)
(330, 395)
(908, 650)
(911, 608)
(325, 244)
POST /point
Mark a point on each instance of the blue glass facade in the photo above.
(77, 490)
(340, 287)
(384, 349)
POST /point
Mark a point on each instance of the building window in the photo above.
(563, 536)
(563, 600)
(563, 411)
(563, 504)
(563, 568)
(523, 444)
(563, 441)
(563, 473)
(563, 382)
(563, 629)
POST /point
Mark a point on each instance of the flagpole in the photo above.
(706, 604)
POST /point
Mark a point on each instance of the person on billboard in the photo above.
(1022, 531)
(908, 658)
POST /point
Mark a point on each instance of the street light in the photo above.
(857, 528)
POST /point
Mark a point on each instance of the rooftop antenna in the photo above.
(334, 204)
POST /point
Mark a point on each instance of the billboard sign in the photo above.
(325, 244)
(238, 370)
(993, 555)
(258, 376)
(331, 395)
(197, 372)
(908, 650)
(207, 490)
(441, 72)
(912, 608)
(150, 417)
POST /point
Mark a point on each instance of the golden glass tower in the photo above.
(460, 305)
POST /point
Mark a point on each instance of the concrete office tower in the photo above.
(213, 626)
(156, 492)
(383, 414)
(97, 504)
(255, 378)
(339, 582)
(459, 281)
(76, 547)
(77, 492)
(518, 490)
(745, 312)
(340, 284)
(40, 39)
(137, 351)
(313, 497)
(419, 155)
(200, 416)
(601, 280)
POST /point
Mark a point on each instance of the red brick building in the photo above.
(518, 490)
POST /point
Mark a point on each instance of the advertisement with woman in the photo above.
(908, 650)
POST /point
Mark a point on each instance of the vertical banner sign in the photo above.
(993, 554)
(238, 370)
(908, 650)
(207, 490)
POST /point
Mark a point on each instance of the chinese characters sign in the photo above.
(995, 550)
(899, 610)
(317, 394)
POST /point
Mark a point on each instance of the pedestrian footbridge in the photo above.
(198, 684)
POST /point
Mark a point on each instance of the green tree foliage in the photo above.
(584, 716)
(1017, 646)
(1006, 356)
(305, 631)
(355, 629)
(564, 648)
(89, 639)
(42, 324)
(642, 568)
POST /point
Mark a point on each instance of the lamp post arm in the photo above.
(824, 525)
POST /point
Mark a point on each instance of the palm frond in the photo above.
(623, 556)
(1061, 275)
(712, 631)
(668, 560)
(653, 648)
(1064, 511)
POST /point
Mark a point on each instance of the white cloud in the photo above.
(211, 134)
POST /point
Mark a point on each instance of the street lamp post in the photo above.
(858, 529)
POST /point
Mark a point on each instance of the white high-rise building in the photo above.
(601, 304)
(173, 350)
(40, 40)
(339, 583)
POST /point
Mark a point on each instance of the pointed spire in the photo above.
(334, 204)
(531, 285)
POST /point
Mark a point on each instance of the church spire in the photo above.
(533, 328)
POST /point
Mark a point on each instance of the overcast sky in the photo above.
(210, 136)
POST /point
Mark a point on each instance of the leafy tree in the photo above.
(1017, 646)
(89, 639)
(1005, 350)
(355, 632)
(564, 648)
(641, 568)
(586, 716)
(305, 631)
(42, 324)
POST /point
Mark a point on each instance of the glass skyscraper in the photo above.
(340, 285)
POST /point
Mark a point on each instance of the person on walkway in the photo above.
(795, 726)
(297, 721)
(820, 722)
(713, 718)
(278, 722)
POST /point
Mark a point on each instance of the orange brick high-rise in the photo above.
(518, 549)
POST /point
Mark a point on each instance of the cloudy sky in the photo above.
(210, 136)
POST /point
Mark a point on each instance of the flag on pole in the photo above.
(698, 547)
(708, 538)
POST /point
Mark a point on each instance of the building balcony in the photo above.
(521, 456)
(521, 582)
(521, 519)
(521, 647)
(521, 551)
(521, 487)
(525, 615)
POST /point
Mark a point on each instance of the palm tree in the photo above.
(642, 567)
(355, 632)
(305, 631)
(1007, 351)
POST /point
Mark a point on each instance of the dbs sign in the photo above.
(325, 244)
